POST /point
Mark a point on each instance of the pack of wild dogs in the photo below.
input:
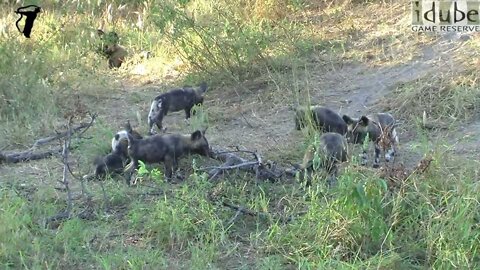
(335, 134)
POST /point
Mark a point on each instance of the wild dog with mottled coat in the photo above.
(166, 148)
(331, 149)
(380, 129)
(173, 101)
(115, 53)
(122, 135)
(114, 162)
(322, 118)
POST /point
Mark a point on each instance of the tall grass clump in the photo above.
(445, 98)
(233, 37)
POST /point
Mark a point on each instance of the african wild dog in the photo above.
(166, 148)
(380, 129)
(331, 149)
(113, 162)
(322, 118)
(175, 100)
(122, 135)
(116, 54)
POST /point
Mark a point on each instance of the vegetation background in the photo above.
(261, 59)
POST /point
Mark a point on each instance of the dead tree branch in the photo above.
(232, 161)
(66, 214)
(28, 155)
(24, 156)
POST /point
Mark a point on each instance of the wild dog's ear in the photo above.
(117, 137)
(348, 119)
(203, 87)
(100, 32)
(363, 120)
(128, 127)
(197, 135)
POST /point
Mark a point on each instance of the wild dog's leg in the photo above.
(187, 112)
(169, 164)
(158, 122)
(364, 157)
(390, 154)
(376, 162)
(151, 130)
(155, 120)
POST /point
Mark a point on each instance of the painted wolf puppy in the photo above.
(380, 129)
(173, 101)
(113, 162)
(122, 135)
(331, 150)
(166, 148)
(323, 118)
(115, 53)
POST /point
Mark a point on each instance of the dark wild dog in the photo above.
(331, 150)
(173, 101)
(113, 162)
(115, 53)
(380, 129)
(166, 148)
(322, 118)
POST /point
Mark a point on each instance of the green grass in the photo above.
(429, 220)
(432, 221)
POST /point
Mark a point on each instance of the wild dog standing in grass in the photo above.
(175, 100)
(322, 118)
(116, 54)
(166, 148)
(330, 149)
(113, 162)
(116, 160)
(380, 128)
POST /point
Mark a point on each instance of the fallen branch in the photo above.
(245, 210)
(232, 161)
(84, 126)
(241, 209)
(28, 155)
